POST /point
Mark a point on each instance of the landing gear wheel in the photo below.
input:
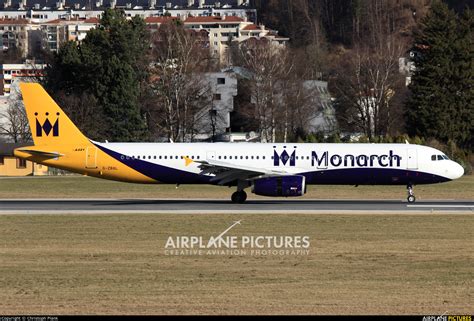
(411, 196)
(239, 197)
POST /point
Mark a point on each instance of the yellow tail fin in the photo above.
(49, 124)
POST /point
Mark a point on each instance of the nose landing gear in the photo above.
(411, 196)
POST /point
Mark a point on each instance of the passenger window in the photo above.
(246, 157)
(138, 157)
(263, 157)
(257, 157)
(241, 157)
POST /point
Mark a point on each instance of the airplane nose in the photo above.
(457, 171)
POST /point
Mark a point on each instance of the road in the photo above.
(201, 206)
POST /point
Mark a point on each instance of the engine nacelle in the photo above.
(293, 185)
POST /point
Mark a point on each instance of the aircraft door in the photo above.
(412, 158)
(211, 155)
(91, 157)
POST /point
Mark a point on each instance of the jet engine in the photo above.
(291, 185)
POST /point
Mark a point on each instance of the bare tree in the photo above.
(14, 122)
(269, 68)
(178, 87)
(301, 106)
(366, 81)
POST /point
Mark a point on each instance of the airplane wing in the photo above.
(226, 173)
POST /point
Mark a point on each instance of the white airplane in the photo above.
(268, 169)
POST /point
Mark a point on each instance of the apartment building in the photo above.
(11, 72)
(223, 88)
(14, 34)
(223, 30)
(40, 12)
(31, 26)
(56, 32)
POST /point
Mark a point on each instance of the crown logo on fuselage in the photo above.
(284, 158)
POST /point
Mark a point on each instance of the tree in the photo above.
(109, 66)
(442, 88)
(269, 67)
(275, 98)
(365, 84)
(14, 124)
(301, 105)
(84, 111)
(182, 99)
(338, 21)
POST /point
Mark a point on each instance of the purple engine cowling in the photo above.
(280, 186)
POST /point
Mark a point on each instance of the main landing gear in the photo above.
(239, 197)
(411, 196)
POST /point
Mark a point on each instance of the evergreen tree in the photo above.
(110, 65)
(441, 102)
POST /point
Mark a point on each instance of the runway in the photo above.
(209, 206)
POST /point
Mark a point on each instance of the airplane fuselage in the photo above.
(178, 163)
(269, 169)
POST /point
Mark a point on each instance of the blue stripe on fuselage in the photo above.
(157, 172)
(371, 176)
(344, 176)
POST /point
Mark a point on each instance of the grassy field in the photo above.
(87, 187)
(115, 264)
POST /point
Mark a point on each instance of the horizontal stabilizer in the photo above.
(41, 153)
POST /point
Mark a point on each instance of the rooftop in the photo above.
(139, 4)
(213, 19)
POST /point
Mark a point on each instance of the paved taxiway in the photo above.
(197, 206)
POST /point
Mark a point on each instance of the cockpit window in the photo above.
(445, 157)
(440, 157)
(433, 157)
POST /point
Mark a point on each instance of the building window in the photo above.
(217, 96)
(2, 160)
(221, 81)
(20, 163)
